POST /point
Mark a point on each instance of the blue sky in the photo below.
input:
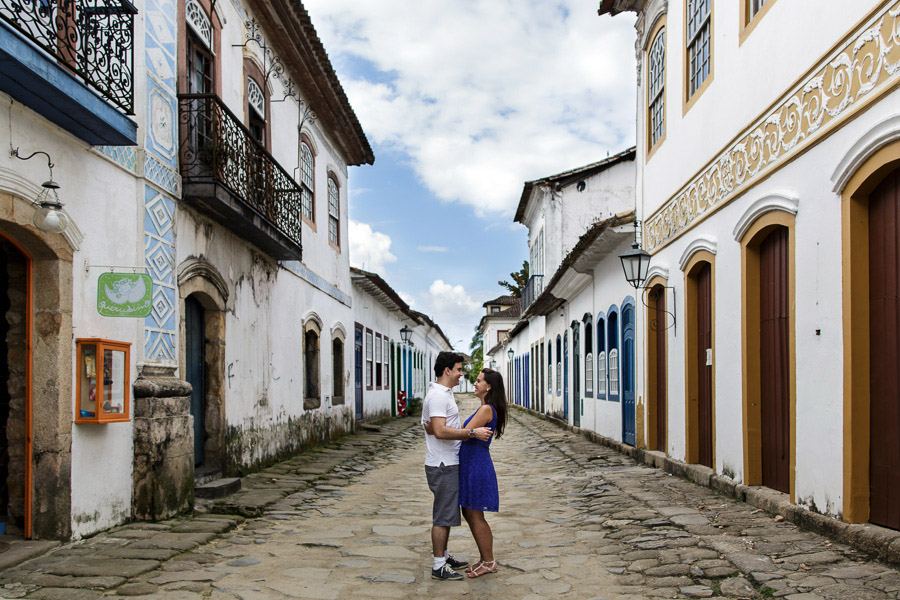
(463, 102)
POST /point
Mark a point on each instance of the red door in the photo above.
(884, 450)
(774, 360)
(658, 299)
(704, 363)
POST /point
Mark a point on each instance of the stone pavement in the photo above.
(577, 520)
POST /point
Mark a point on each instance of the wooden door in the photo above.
(884, 335)
(358, 367)
(704, 364)
(658, 310)
(195, 348)
(774, 338)
(627, 375)
(576, 376)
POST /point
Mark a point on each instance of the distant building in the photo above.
(501, 315)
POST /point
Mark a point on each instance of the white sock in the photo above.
(439, 561)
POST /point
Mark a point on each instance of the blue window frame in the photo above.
(601, 357)
(627, 374)
(558, 365)
(612, 354)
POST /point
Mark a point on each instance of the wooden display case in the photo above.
(102, 381)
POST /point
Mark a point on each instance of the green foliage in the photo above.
(766, 592)
(519, 279)
(475, 367)
(414, 406)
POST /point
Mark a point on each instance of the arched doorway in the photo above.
(657, 390)
(204, 294)
(884, 352)
(699, 353)
(38, 289)
(576, 374)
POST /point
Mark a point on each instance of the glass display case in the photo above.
(103, 381)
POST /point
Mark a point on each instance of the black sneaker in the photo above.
(456, 564)
(446, 573)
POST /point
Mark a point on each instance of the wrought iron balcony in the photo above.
(532, 290)
(92, 38)
(229, 175)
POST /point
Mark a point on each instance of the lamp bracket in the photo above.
(654, 323)
(88, 267)
(15, 152)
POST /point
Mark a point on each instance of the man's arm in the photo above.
(442, 432)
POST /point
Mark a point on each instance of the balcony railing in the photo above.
(217, 147)
(93, 38)
(533, 289)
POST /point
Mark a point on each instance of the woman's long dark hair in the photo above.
(496, 397)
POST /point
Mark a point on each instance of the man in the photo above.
(442, 459)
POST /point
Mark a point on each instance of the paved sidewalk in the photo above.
(577, 520)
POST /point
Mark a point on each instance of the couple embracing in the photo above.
(458, 464)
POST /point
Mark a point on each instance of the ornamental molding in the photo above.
(17, 185)
(861, 69)
(651, 16)
(338, 332)
(872, 141)
(201, 267)
(703, 242)
(777, 201)
(661, 270)
(312, 322)
(199, 21)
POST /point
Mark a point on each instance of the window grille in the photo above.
(657, 87)
(698, 43)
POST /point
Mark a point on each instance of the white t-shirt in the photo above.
(439, 402)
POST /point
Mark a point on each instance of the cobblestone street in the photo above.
(576, 519)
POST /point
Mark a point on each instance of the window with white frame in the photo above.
(588, 359)
(369, 359)
(307, 181)
(656, 94)
(614, 371)
(537, 255)
(549, 367)
(699, 43)
(334, 213)
(387, 362)
(601, 374)
(378, 370)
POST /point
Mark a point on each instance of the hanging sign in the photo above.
(124, 294)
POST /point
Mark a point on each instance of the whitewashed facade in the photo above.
(579, 222)
(225, 156)
(761, 171)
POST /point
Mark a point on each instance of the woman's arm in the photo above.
(484, 416)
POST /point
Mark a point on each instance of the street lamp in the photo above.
(405, 334)
(493, 363)
(636, 263)
(510, 353)
(48, 215)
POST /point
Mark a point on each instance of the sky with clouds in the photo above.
(463, 102)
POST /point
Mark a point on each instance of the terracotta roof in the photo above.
(547, 302)
(291, 32)
(561, 180)
(512, 312)
(504, 300)
(378, 288)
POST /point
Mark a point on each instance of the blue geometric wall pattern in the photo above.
(161, 168)
(161, 325)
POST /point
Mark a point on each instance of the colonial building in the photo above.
(204, 178)
(501, 315)
(767, 183)
(572, 353)
(385, 364)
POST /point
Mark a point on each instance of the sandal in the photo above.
(482, 567)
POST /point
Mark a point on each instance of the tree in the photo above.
(519, 280)
(476, 347)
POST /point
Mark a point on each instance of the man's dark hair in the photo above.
(446, 360)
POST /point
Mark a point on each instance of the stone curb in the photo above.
(877, 541)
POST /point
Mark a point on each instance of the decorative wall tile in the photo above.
(161, 326)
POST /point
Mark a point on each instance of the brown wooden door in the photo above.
(774, 360)
(704, 365)
(884, 314)
(659, 340)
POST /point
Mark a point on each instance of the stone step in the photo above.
(203, 475)
(368, 427)
(218, 488)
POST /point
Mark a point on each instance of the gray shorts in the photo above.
(443, 481)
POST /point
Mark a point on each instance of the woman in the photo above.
(477, 479)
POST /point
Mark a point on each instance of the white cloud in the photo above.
(369, 250)
(453, 309)
(433, 248)
(484, 95)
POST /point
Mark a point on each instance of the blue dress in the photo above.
(477, 479)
